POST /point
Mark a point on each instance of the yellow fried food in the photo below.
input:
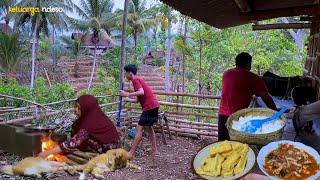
(224, 146)
(231, 161)
(241, 164)
(226, 159)
(225, 172)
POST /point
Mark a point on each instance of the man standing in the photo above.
(150, 107)
(238, 86)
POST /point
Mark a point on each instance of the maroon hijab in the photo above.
(92, 119)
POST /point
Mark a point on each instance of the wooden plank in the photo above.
(281, 12)
(193, 114)
(186, 94)
(315, 36)
(177, 105)
(309, 18)
(281, 26)
(243, 5)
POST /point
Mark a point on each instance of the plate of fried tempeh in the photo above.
(224, 160)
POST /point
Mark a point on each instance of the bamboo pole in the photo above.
(188, 127)
(179, 105)
(193, 114)
(17, 98)
(48, 79)
(186, 94)
(192, 122)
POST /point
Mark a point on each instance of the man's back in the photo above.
(238, 86)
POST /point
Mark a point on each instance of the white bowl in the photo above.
(274, 145)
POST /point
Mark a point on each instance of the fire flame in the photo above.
(48, 144)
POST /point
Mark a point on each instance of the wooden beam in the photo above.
(310, 18)
(186, 94)
(243, 5)
(311, 10)
(281, 26)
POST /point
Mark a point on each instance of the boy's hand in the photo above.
(123, 93)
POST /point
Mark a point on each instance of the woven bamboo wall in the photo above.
(312, 64)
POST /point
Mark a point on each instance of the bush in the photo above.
(41, 93)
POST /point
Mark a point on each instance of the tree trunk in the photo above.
(54, 52)
(93, 66)
(76, 68)
(34, 39)
(135, 38)
(168, 53)
(298, 38)
(200, 68)
(183, 54)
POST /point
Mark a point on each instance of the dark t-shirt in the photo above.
(148, 100)
(238, 86)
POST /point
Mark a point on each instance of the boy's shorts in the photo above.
(149, 117)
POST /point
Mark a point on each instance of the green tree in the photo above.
(92, 12)
(12, 52)
(40, 22)
(75, 49)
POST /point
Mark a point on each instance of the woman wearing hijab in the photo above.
(93, 131)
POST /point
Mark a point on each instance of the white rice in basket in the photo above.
(267, 127)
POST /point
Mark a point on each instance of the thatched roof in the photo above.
(228, 13)
(104, 42)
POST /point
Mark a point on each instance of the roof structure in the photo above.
(227, 13)
(104, 42)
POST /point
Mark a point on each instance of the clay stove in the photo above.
(23, 142)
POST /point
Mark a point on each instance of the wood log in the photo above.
(77, 159)
(186, 94)
(84, 155)
(187, 131)
(194, 114)
(281, 26)
(193, 123)
(193, 136)
(187, 105)
(69, 161)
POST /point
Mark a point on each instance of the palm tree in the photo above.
(75, 49)
(12, 52)
(139, 19)
(92, 13)
(4, 8)
(41, 20)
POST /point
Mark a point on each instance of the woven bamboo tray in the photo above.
(258, 139)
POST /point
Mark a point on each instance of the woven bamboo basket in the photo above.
(258, 139)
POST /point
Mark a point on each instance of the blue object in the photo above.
(132, 133)
(253, 125)
(119, 108)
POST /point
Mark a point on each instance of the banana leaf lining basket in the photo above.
(257, 139)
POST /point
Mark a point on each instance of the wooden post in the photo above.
(46, 73)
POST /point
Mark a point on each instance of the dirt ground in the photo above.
(174, 162)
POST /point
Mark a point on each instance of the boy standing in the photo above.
(150, 107)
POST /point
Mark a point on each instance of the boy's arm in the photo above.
(140, 92)
(132, 100)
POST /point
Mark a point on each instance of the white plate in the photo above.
(274, 145)
(204, 152)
